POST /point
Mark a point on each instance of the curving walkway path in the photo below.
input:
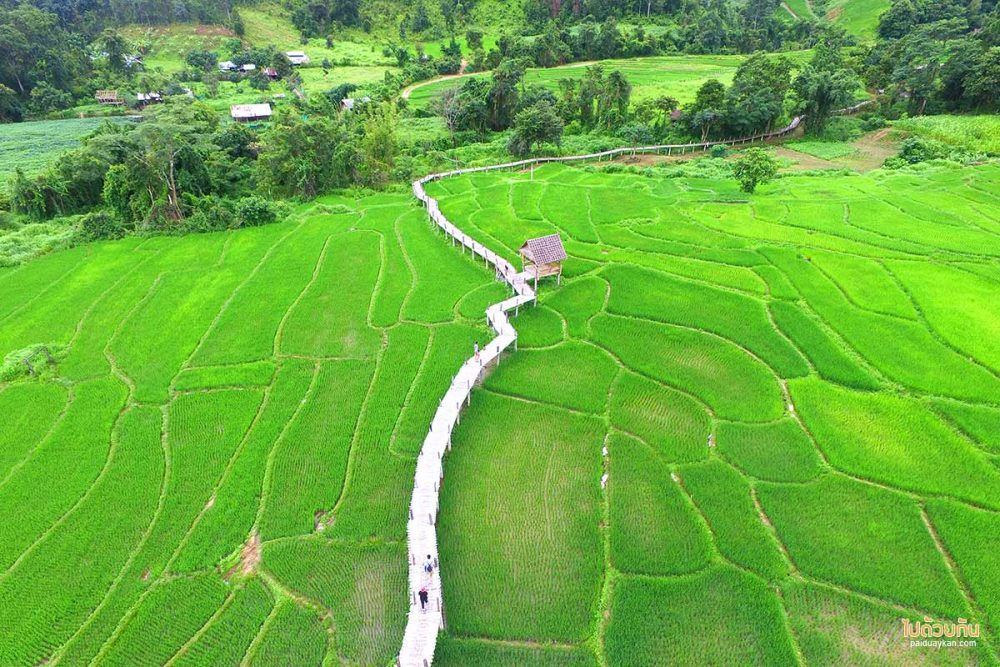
(422, 626)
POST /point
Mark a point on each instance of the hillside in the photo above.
(281, 384)
(857, 17)
(260, 473)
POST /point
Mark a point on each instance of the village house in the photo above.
(248, 113)
(145, 99)
(297, 57)
(109, 97)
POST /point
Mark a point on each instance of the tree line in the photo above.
(934, 56)
(763, 93)
(181, 169)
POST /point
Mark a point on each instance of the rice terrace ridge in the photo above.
(500, 334)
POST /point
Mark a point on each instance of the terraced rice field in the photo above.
(217, 470)
(796, 397)
(858, 17)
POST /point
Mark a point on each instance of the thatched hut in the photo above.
(543, 257)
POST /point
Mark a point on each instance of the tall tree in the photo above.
(756, 98)
(983, 86)
(822, 86)
(708, 108)
(503, 93)
(535, 125)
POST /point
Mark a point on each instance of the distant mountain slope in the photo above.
(858, 17)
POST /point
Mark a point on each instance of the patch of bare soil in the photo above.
(874, 149)
(870, 153)
(834, 13)
(213, 31)
(804, 161)
(249, 558)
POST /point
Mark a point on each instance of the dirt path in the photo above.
(791, 11)
(870, 152)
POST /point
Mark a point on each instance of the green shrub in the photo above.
(719, 151)
(99, 225)
(253, 211)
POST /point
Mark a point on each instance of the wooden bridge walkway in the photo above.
(423, 625)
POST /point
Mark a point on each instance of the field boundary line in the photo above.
(223, 309)
(150, 527)
(48, 288)
(422, 627)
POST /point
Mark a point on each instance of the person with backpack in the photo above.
(429, 565)
(423, 598)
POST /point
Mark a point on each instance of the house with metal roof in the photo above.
(247, 113)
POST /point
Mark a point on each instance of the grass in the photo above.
(520, 548)
(980, 422)
(825, 150)
(360, 584)
(975, 133)
(858, 17)
(895, 440)
(672, 424)
(710, 369)
(724, 497)
(659, 620)
(460, 652)
(655, 529)
(831, 525)
(842, 628)
(815, 330)
(963, 531)
(211, 392)
(572, 375)
(293, 635)
(778, 452)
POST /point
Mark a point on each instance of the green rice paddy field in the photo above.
(798, 395)
(677, 76)
(33, 145)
